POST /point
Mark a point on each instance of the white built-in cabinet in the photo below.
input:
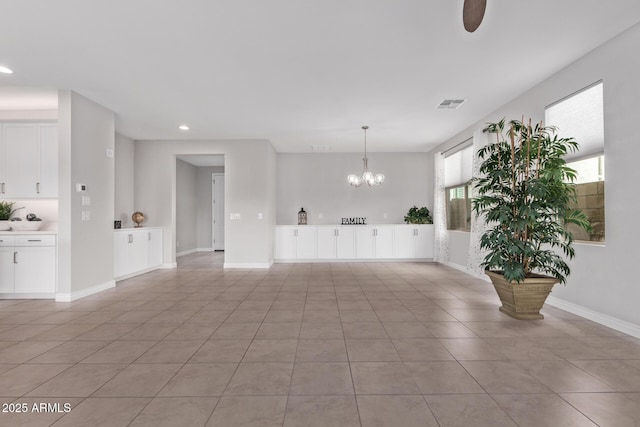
(295, 243)
(28, 160)
(136, 251)
(336, 242)
(414, 241)
(28, 265)
(360, 242)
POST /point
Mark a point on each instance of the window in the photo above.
(581, 116)
(590, 197)
(457, 174)
(458, 208)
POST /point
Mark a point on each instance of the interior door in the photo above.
(218, 211)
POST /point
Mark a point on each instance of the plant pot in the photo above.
(5, 225)
(522, 300)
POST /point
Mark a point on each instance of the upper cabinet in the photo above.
(28, 160)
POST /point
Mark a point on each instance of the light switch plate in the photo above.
(80, 188)
(234, 216)
(109, 152)
(86, 215)
(86, 201)
(259, 215)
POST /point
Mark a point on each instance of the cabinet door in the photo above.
(384, 242)
(345, 243)
(364, 242)
(404, 241)
(306, 243)
(285, 243)
(35, 270)
(326, 243)
(154, 248)
(424, 241)
(6, 269)
(21, 164)
(48, 162)
(121, 254)
(138, 250)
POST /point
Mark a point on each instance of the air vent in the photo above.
(450, 104)
(320, 148)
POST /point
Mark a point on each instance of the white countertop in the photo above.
(136, 229)
(18, 232)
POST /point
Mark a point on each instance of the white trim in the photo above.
(72, 296)
(10, 295)
(247, 264)
(204, 250)
(603, 319)
(169, 265)
(137, 273)
(466, 270)
(335, 260)
(187, 252)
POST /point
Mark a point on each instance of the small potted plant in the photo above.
(6, 210)
(525, 195)
(418, 216)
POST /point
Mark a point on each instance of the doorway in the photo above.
(217, 196)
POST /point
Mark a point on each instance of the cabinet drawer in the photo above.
(6, 240)
(35, 240)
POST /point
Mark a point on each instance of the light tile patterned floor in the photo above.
(362, 344)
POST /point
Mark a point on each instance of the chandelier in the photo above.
(367, 176)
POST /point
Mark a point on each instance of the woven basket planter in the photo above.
(525, 299)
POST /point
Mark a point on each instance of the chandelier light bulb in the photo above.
(368, 177)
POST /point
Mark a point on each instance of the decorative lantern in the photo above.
(302, 217)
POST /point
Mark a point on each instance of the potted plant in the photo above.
(525, 195)
(418, 216)
(6, 210)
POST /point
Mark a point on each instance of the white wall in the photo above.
(186, 207)
(124, 185)
(85, 248)
(318, 182)
(604, 279)
(249, 179)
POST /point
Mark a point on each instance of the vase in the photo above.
(525, 299)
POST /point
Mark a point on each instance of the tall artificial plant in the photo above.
(525, 193)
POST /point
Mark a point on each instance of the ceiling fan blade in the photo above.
(472, 14)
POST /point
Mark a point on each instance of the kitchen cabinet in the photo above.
(295, 242)
(136, 251)
(424, 241)
(154, 247)
(28, 265)
(28, 160)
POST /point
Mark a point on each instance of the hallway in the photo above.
(343, 344)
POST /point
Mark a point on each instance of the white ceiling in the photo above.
(299, 72)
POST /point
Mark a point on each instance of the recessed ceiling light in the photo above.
(5, 70)
(183, 127)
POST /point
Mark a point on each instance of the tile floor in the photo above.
(309, 345)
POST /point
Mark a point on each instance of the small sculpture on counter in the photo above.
(138, 218)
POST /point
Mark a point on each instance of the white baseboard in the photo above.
(603, 319)
(72, 296)
(205, 250)
(319, 261)
(137, 273)
(187, 252)
(27, 296)
(247, 264)
(466, 270)
(169, 265)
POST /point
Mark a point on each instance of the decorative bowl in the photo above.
(26, 225)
